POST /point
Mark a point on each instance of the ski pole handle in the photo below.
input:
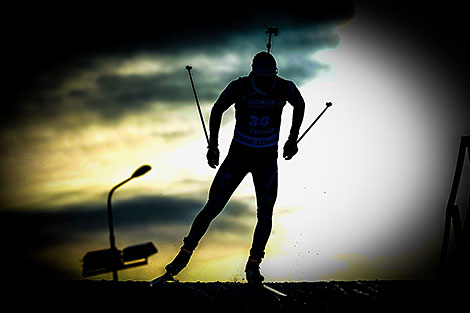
(189, 68)
(328, 104)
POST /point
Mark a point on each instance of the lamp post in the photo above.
(113, 260)
(112, 240)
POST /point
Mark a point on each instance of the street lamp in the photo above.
(113, 259)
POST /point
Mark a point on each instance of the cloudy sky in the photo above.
(94, 94)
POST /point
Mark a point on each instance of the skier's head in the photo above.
(264, 64)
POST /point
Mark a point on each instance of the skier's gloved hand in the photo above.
(290, 148)
(213, 156)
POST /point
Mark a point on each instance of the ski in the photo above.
(167, 277)
(266, 287)
(277, 292)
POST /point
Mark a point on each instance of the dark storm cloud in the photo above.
(39, 69)
(135, 213)
(116, 95)
(27, 235)
(112, 95)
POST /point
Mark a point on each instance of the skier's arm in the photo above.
(224, 101)
(214, 126)
(296, 100)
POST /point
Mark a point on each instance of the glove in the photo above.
(213, 156)
(290, 149)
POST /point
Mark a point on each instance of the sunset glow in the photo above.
(363, 199)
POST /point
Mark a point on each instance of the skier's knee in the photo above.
(265, 217)
(266, 202)
(213, 207)
(217, 201)
(265, 210)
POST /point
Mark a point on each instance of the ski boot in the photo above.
(173, 268)
(253, 275)
(179, 262)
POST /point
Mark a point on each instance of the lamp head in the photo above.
(141, 171)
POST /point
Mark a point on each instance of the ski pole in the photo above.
(328, 104)
(189, 68)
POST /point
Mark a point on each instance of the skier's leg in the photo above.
(266, 182)
(227, 179)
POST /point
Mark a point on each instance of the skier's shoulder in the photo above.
(286, 87)
(239, 85)
(285, 83)
(242, 81)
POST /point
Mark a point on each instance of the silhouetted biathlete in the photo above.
(259, 99)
